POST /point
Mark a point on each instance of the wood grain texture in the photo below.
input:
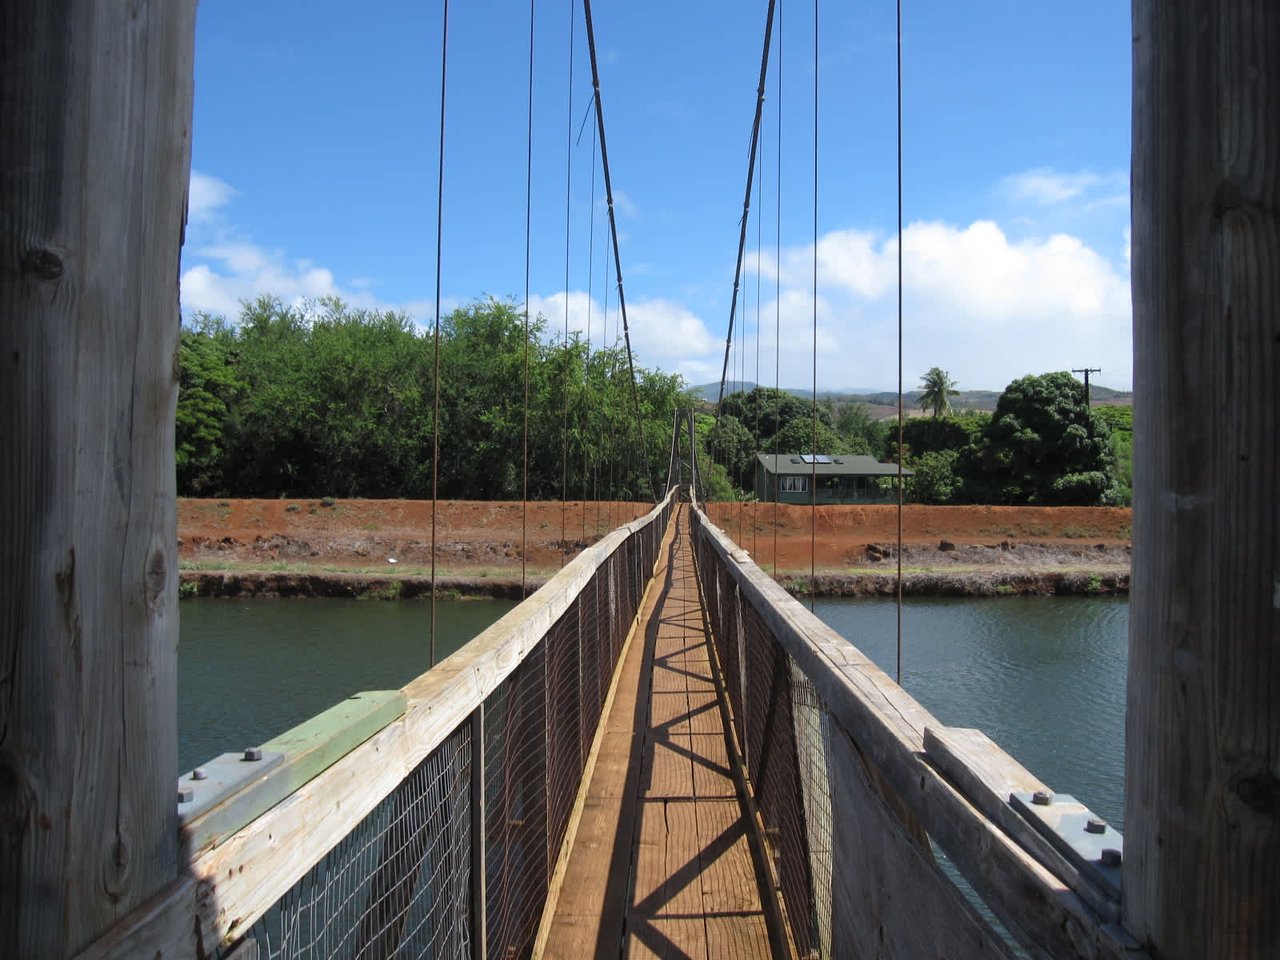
(890, 900)
(986, 775)
(663, 867)
(888, 726)
(1202, 805)
(94, 163)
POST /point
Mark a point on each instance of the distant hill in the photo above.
(884, 403)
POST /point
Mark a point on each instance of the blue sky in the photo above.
(314, 172)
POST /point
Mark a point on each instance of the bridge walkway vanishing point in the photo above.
(659, 753)
(662, 864)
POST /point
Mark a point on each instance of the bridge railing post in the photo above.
(479, 890)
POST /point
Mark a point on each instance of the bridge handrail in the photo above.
(230, 886)
(950, 785)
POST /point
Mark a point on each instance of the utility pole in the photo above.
(1086, 371)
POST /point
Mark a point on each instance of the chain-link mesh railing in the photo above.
(403, 883)
(396, 886)
(853, 803)
(759, 678)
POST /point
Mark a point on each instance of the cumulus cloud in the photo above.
(1045, 186)
(221, 267)
(664, 333)
(983, 306)
(205, 196)
(979, 303)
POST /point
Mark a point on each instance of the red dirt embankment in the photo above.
(383, 547)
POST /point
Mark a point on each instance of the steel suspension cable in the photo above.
(589, 468)
(746, 199)
(435, 407)
(613, 230)
(900, 412)
(777, 292)
(755, 506)
(813, 452)
(568, 196)
(528, 233)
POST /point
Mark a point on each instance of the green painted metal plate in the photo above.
(225, 803)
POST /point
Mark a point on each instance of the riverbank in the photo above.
(919, 583)
(381, 549)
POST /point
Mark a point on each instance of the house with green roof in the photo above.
(846, 478)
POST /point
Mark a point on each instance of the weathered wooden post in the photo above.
(95, 116)
(1202, 807)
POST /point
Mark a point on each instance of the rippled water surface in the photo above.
(250, 669)
(1042, 676)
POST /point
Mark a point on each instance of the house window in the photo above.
(795, 484)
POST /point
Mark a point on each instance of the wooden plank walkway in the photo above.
(662, 865)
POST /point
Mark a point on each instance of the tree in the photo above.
(766, 412)
(936, 390)
(798, 437)
(861, 432)
(209, 386)
(1119, 421)
(1043, 446)
(933, 478)
(732, 445)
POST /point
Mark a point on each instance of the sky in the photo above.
(315, 161)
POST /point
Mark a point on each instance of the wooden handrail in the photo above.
(231, 885)
(887, 729)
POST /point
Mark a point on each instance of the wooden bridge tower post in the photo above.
(1202, 806)
(94, 161)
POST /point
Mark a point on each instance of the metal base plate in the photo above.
(1062, 823)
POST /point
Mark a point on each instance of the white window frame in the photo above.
(794, 485)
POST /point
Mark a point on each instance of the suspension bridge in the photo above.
(659, 752)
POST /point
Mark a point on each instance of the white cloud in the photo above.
(232, 272)
(221, 267)
(625, 206)
(1045, 186)
(985, 307)
(664, 333)
(978, 303)
(205, 196)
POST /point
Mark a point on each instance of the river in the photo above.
(250, 669)
(1042, 676)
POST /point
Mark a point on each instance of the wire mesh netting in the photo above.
(781, 728)
(400, 884)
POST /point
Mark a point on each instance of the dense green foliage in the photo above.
(1044, 446)
(325, 399)
(765, 420)
(1119, 420)
(1041, 446)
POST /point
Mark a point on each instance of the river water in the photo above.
(251, 669)
(1043, 676)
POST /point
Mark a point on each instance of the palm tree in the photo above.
(936, 390)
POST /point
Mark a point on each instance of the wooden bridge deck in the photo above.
(663, 864)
